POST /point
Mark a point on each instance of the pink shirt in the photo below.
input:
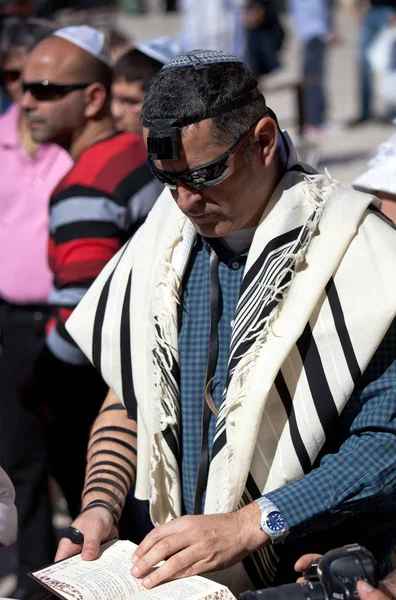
(25, 188)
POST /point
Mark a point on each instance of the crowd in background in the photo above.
(54, 162)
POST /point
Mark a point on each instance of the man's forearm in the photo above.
(111, 458)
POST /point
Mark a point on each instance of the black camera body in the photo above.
(332, 577)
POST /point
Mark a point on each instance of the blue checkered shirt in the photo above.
(328, 493)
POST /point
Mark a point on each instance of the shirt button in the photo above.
(235, 265)
(38, 182)
(232, 323)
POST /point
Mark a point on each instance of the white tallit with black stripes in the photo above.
(317, 297)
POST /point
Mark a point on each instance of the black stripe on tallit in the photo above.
(316, 377)
(98, 324)
(128, 391)
(256, 575)
(172, 442)
(381, 215)
(252, 488)
(100, 314)
(281, 240)
(295, 435)
(342, 330)
(219, 443)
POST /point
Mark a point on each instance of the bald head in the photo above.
(64, 62)
(76, 91)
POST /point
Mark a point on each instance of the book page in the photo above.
(106, 578)
(191, 588)
(109, 578)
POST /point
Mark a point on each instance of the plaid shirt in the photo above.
(193, 344)
(329, 492)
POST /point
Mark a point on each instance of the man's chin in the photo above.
(39, 137)
(214, 230)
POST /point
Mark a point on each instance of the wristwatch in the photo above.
(272, 521)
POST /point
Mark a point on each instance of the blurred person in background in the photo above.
(29, 172)
(373, 15)
(170, 5)
(312, 25)
(96, 207)
(119, 43)
(264, 36)
(213, 24)
(132, 73)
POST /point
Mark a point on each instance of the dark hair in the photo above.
(186, 92)
(17, 32)
(134, 65)
(99, 71)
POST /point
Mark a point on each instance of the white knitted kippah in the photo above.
(200, 59)
(89, 39)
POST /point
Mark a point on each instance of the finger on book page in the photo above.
(182, 564)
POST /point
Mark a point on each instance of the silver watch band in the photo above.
(266, 507)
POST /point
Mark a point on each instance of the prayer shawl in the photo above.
(317, 297)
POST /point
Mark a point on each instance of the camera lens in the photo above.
(290, 591)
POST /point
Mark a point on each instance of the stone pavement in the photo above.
(344, 153)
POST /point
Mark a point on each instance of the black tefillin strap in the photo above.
(208, 405)
(163, 141)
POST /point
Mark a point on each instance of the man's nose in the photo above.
(27, 101)
(186, 197)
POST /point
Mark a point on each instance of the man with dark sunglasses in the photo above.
(247, 335)
(94, 210)
(29, 172)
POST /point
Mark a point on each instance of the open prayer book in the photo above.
(109, 578)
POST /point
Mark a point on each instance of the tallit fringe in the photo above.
(164, 352)
(317, 195)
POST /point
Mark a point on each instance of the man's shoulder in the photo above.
(105, 165)
(114, 145)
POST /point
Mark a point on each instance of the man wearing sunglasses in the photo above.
(246, 336)
(96, 207)
(28, 172)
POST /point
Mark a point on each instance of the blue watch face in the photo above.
(276, 521)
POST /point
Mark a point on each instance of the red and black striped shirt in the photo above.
(94, 209)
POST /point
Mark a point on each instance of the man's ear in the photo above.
(266, 136)
(95, 98)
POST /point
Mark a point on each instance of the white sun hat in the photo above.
(380, 175)
(161, 48)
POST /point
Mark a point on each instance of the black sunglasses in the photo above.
(45, 91)
(206, 176)
(8, 76)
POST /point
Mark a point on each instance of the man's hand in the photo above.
(97, 526)
(367, 592)
(303, 563)
(192, 545)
